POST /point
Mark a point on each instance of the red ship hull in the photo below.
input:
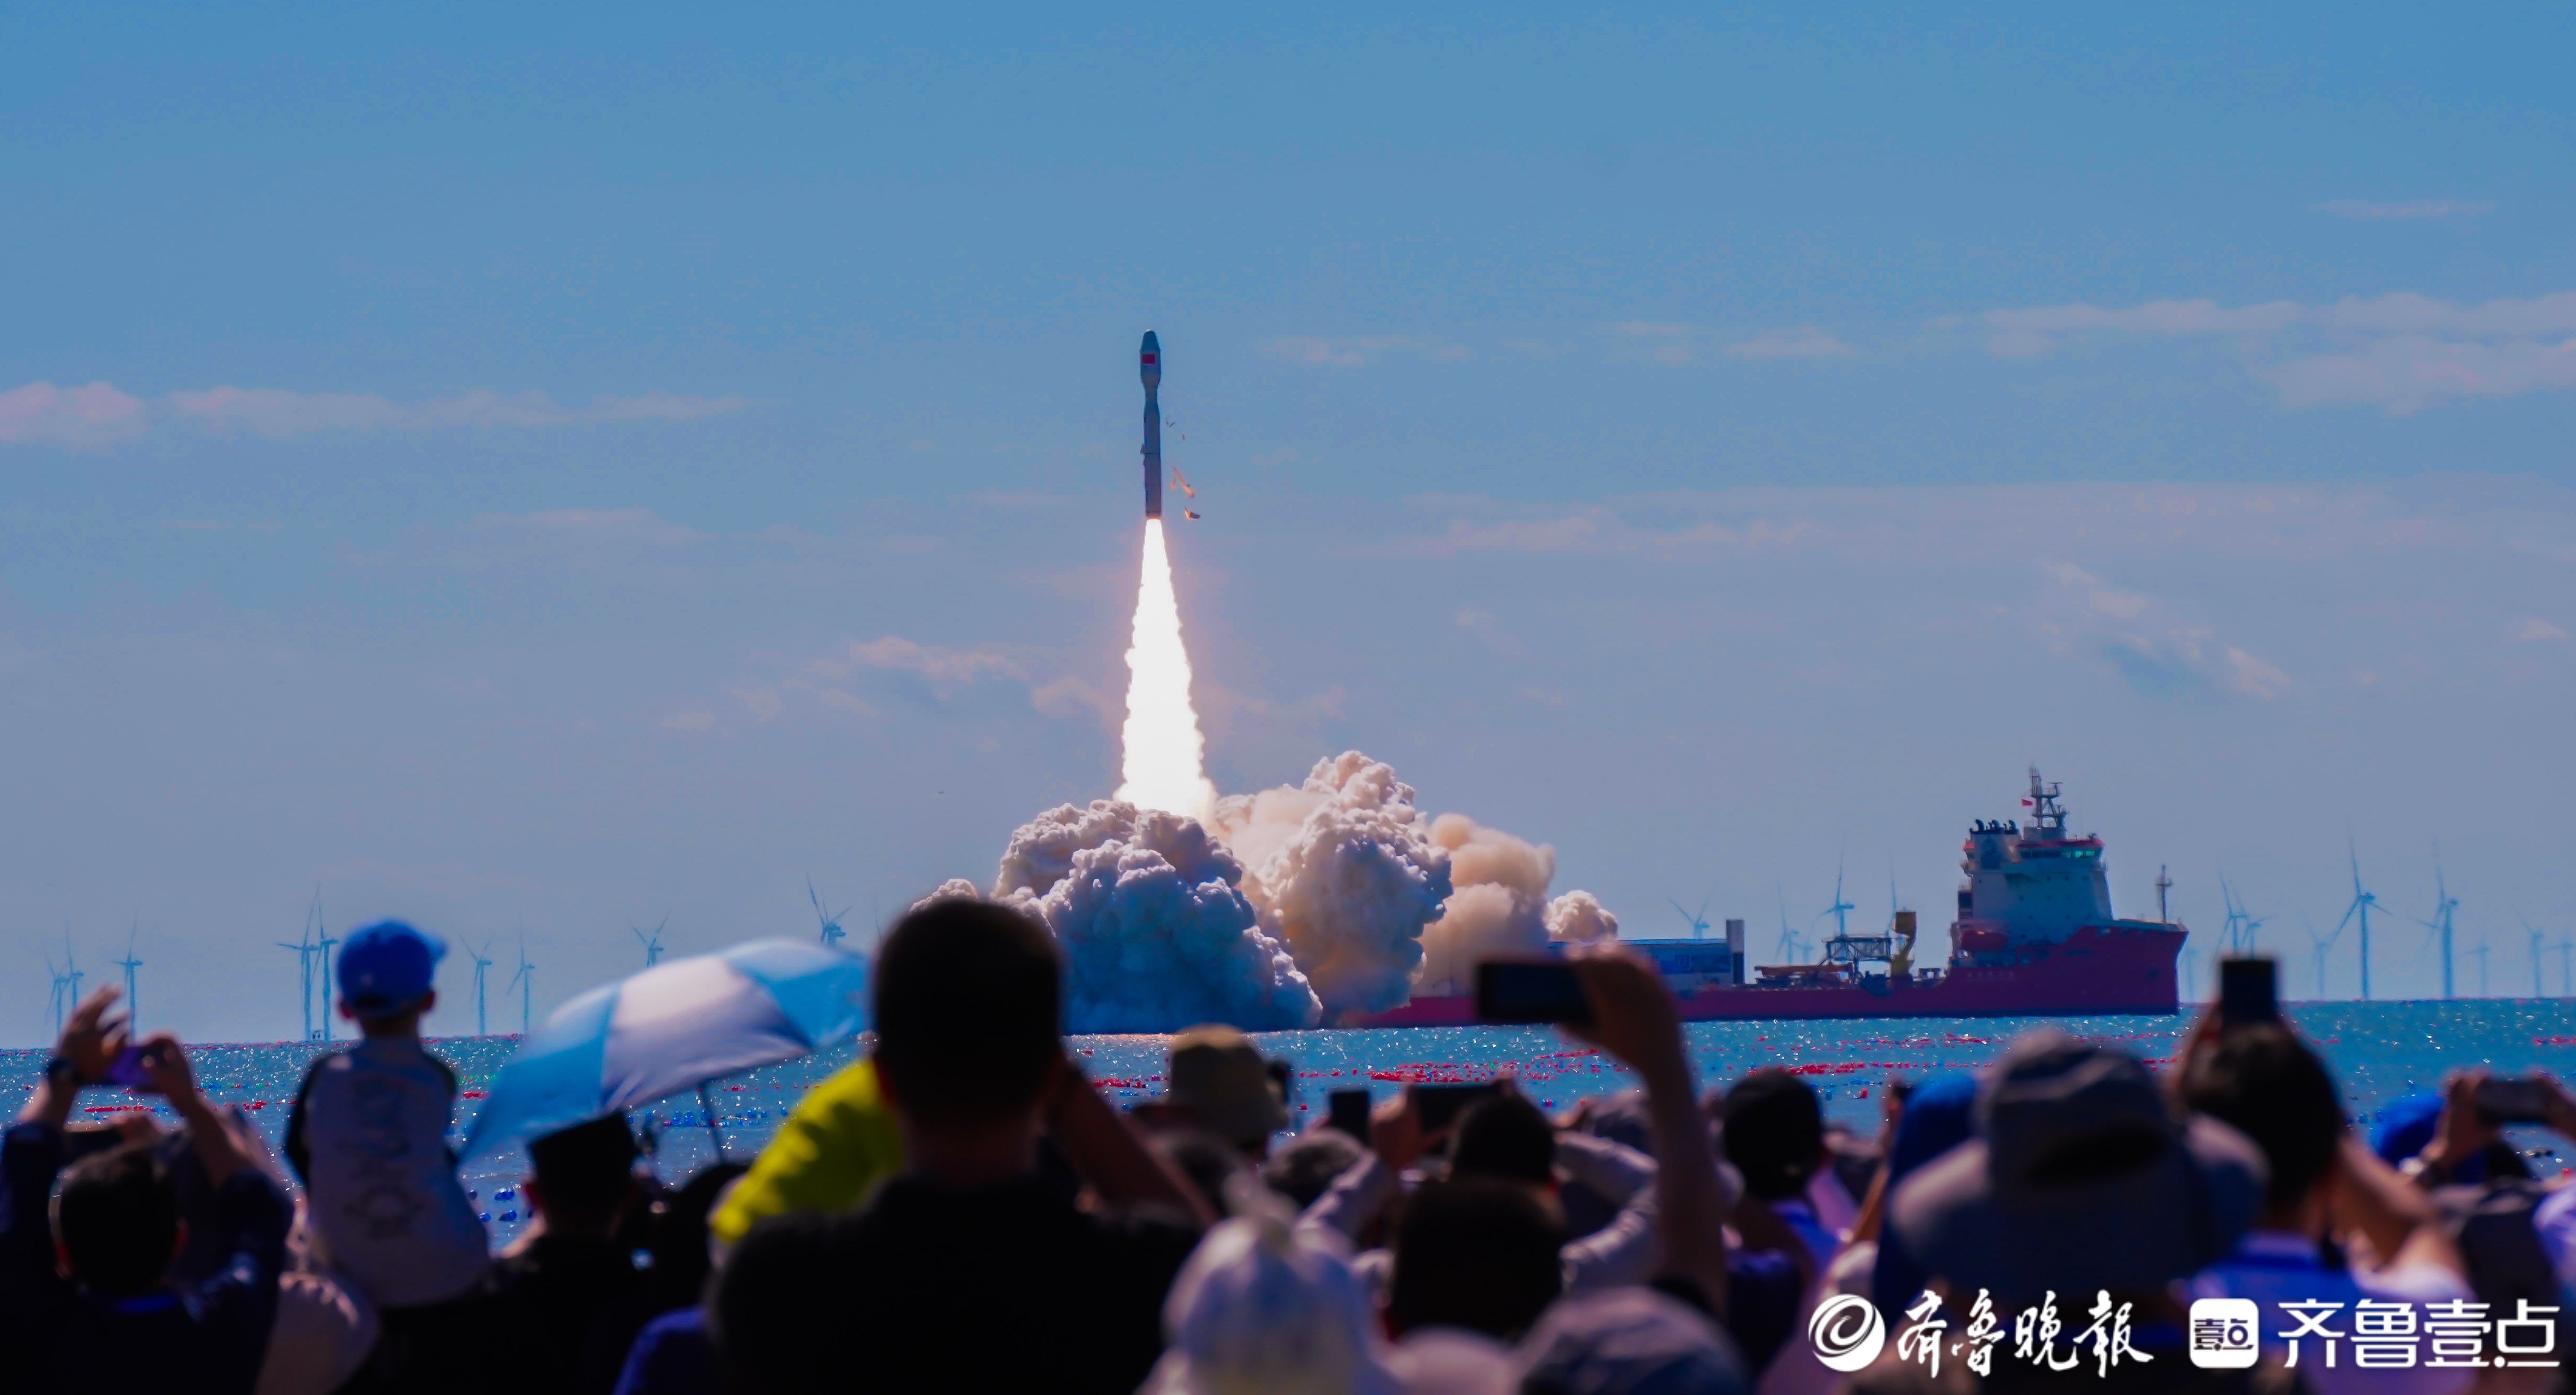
(2095, 971)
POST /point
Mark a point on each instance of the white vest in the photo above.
(381, 1190)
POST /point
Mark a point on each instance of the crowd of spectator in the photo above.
(959, 1210)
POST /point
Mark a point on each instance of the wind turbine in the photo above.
(1841, 909)
(129, 963)
(652, 943)
(72, 977)
(1793, 946)
(2537, 990)
(525, 981)
(2480, 954)
(322, 943)
(2323, 944)
(482, 961)
(832, 933)
(2363, 903)
(1698, 922)
(304, 964)
(57, 1006)
(2242, 927)
(2566, 979)
(2443, 904)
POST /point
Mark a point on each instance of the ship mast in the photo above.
(2047, 818)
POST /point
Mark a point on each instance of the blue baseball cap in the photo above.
(1939, 1116)
(2405, 1128)
(387, 967)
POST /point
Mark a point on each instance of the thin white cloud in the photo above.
(1490, 632)
(2400, 352)
(2043, 329)
(1070, 696)
(2406, 373)
(690, 721)
(2157, 652)
(102, 414)
(939, 665)
(2537, 631)
(1599, 530)
(1806, 341)
(1672, 342)
(83, 418)
(2365, 211)
(280, 414)
(632, 524)
(1320, 352)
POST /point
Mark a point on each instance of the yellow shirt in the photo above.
(833, 1146)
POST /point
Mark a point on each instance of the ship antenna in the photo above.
(2045, 815)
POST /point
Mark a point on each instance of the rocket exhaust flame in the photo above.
(1163, 766)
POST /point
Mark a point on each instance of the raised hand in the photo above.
(1395, 1131)
(166, 1071)
(91, 1039)
(1633, 1014)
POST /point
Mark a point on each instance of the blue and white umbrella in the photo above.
(672, 1028)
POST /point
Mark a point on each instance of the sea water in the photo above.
(2379, 1052)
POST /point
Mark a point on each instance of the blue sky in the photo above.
(546, 471)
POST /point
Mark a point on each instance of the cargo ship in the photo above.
(2034, 937)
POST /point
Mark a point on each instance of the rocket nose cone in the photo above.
(1149, 359)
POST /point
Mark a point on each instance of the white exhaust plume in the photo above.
(1345, 873)
(1155, 931)
(1163, 768)
(1309, 902)
(1500, 907)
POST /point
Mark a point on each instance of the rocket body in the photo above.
(1149, 366)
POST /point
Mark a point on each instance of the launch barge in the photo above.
(2035, 937)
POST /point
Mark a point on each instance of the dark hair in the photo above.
(679, 1244)
(1505, 1136)
(774, 1302)
(584, 1173)
(118, 1220)
(1775, 1132)
(2265, 1081)
(1474, 1252)
(969, 1011)
(1304, 1169)
(1207, 1160)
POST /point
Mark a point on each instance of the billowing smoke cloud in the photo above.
(1155, 928)
(1500, 907)
(1309, 902)
(1345, 872)
(1579, 918)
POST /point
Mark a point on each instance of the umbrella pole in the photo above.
(707, 1109)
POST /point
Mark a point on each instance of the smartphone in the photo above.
(1530, 990)
(1440, 1105)
(126, 1069)
(2516, 1099)
(2248, 992)
(1349, 1113)
(1283, 1073)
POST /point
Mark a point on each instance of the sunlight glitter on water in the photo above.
(2379, 1051)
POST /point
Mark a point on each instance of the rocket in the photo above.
(1149, 366)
